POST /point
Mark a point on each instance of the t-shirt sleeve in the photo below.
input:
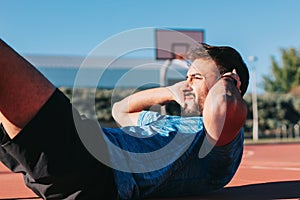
(146, 117)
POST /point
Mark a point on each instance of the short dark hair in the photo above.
(226, 58)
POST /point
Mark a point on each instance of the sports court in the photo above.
(267, 171)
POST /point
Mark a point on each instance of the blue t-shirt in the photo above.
(167, 156)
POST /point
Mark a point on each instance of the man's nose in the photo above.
(189, 85)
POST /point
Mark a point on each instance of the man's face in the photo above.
(201, 76)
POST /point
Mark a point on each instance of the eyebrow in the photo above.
(193, 75)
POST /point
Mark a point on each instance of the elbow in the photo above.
(114, 112)
(119, 115)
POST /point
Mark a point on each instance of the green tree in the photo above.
(286, 75)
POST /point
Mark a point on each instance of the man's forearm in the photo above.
(224, 112)
(126, 112)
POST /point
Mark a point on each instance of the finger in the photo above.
(237, 78)
(234, 76)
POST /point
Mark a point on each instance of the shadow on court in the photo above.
(272, 190)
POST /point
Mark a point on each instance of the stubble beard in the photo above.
(191, 109)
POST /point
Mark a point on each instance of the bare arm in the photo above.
(126, 112)
(224, 112)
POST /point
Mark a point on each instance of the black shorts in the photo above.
(50, 154)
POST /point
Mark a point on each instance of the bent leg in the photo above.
(23, 90)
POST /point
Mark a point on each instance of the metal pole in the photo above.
(162, 80)
(163, 72)
(254, 101)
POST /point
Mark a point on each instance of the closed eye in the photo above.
(196, 76)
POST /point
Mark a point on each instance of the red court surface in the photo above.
(269, 171)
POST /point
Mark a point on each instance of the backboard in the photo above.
(171, 43)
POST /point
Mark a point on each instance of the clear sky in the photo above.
(69, 27)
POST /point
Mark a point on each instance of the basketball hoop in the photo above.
(172, 45)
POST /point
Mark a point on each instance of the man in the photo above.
(40, 139)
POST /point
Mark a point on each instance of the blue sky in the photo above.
(66, 27)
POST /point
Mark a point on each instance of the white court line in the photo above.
(276, 168)
(273, 164)
(248, 153)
